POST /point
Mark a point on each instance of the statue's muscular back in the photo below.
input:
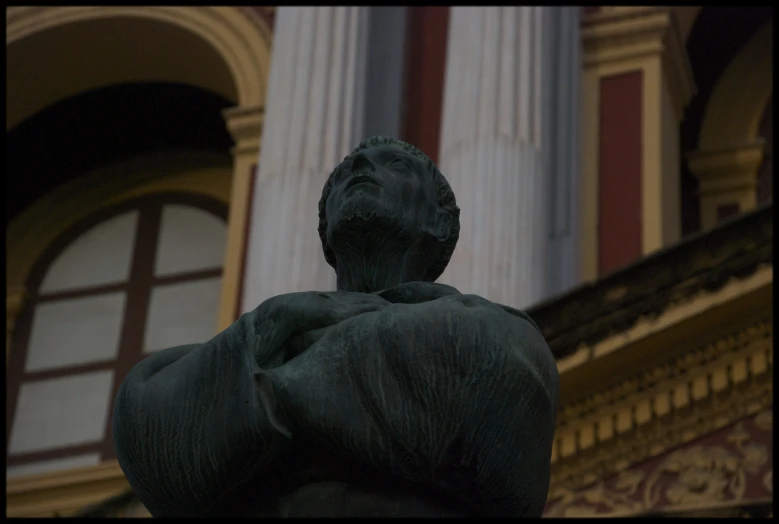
(413, 401)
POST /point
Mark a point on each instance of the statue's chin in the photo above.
(364, 211)
(368, 224)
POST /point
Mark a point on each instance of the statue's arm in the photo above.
(189, 423)
(504, 385)
(457, 393)
(487, 374)
(192, 424)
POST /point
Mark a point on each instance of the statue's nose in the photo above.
(362, 164)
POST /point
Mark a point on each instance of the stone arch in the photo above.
(50, 56)
(239, 38)
(736, 106)
(730, 152)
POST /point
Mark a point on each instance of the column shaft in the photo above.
(313, 119)
(502, 117)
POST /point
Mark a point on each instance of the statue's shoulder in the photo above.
(426, 295)
(288, 299)
(297, 296)
(519, 314)
(501, 313)
(312, 309)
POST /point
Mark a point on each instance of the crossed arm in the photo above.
(191, 425)
(406, 389)
(457, 395)
(188, 425)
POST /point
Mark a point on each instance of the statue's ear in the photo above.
(443, 225)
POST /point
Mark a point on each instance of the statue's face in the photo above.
(383, 184)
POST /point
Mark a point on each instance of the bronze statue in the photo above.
(392, 396)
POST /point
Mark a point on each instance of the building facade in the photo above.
(613, 166)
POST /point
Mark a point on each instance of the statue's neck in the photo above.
(375, 270)
(375, 262)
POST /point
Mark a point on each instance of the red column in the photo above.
(426, 43)
(619, 169)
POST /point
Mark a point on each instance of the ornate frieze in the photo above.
(672, 403)
(725, 468)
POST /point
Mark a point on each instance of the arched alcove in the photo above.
(56, 52)
(740, 96)
(717, 36)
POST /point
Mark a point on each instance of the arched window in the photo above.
(128, 281)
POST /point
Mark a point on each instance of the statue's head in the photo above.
(388, 190)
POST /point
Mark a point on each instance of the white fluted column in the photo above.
(313, 118)
(564, 151)
(499, 127)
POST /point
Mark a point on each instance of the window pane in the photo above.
(75, 331)
(183, 313)
(45, 466)
(102, 255)
(190, 239)
(61, 412)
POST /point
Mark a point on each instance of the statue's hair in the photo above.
(446, 201)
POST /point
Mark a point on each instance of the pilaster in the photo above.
(245, 126)
(637, 82)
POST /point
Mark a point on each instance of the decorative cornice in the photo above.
(649, 383)
(662, 435)
(613, 35)
(654, 334)
(629, 34)
(245, 126)
(707, 261)
(727, 169)
(673, 403)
